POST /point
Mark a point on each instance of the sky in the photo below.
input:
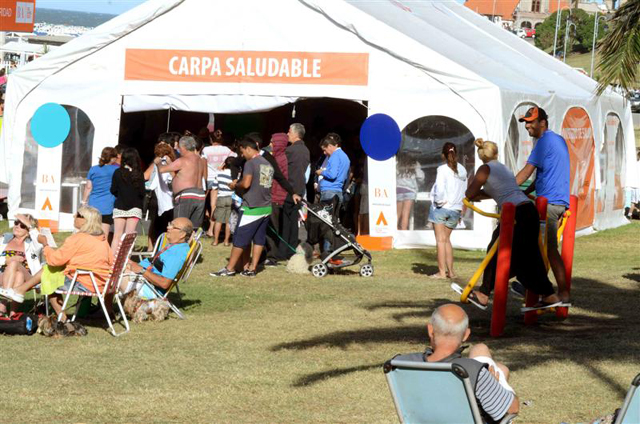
(113, 7)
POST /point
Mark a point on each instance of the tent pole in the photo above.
(168, 118)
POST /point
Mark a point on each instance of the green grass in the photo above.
(286, 348)
(583, 60)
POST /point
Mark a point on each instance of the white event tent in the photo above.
(443, 72)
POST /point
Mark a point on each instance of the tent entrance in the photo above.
(319, 116)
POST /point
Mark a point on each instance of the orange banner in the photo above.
(578, 132)
(17, 15)
(247, 67)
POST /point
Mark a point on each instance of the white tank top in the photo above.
(501, 185)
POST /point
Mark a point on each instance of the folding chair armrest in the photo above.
(141, 255)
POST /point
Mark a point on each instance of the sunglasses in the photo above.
(170, 225)
(20, 224)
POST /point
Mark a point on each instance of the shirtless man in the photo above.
(187, 185)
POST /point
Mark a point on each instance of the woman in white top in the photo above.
(408, 176)
(446, 206)
(495, 181)
(20, 254)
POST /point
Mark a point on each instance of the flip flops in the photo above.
(472, 298)
(545, 305)
(12, 295)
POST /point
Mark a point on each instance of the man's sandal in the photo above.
(545, 305)
(472, 298)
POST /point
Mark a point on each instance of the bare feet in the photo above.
(438, 276)
(483, 299)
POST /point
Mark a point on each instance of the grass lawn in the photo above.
(285, 348)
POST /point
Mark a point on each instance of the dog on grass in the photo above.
(299, 263)
(50, 327)
(140, 310)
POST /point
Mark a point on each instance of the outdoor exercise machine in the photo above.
(503, 246)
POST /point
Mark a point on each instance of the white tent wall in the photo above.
(437, 58)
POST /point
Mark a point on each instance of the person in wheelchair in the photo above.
(163, 267)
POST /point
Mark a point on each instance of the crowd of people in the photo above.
(254, 189)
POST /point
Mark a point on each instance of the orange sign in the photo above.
(17, 15)
(577, 131)
(47, 205)
(247, 67)
(381, 220)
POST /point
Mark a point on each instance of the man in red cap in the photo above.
(550, 160)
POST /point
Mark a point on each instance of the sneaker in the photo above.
(270, 263)
(518, 289)
(224, 272)
(248, 273)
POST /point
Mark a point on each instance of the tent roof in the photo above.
(18, 47)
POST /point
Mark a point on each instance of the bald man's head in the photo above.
(182, 229)
(449, 321)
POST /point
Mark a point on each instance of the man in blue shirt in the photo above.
(162, 269)
(335, 169)
(550, 160)
(333, 173)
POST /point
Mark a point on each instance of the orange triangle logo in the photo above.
(47, 205)
(381, 219)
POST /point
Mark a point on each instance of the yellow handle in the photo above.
(565, 218)
(471, 206)
(478, 273)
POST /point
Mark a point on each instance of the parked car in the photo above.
(530, 32)
(520, 32)
(634, 99)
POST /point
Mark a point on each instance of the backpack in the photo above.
(19, 324)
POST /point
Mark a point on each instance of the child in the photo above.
(223, 203)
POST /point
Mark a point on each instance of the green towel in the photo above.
(52, 278)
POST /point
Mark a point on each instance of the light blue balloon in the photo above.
(50, 125)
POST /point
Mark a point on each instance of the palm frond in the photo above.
(620, 49)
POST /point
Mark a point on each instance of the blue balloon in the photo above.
(380, 137)
(50, 125)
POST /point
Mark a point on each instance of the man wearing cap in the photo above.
(550, 160)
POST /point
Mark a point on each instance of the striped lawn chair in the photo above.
(112, 285)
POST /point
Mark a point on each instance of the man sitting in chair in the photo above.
(448, 329)
(161, 270)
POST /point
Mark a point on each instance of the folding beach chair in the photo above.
(160, 243)
(111, 287)
(433, 392)
(195, 248)
(630, 411)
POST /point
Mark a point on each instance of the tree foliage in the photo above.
(620, 49)
(580, 37)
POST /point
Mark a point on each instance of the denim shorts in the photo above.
(409, 195)
(78, 287)
(448, 217)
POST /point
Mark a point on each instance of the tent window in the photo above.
(29, 171)
(419, 156)
(77, 150)
(519, 144)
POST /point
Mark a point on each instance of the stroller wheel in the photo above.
(319, 270)
(366, 270)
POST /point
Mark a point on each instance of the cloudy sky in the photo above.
(114, 7)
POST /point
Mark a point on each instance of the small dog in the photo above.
(152, 310)
(299, 263)
(145, 310)
(50, 327)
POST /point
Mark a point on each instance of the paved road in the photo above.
(636, 120)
